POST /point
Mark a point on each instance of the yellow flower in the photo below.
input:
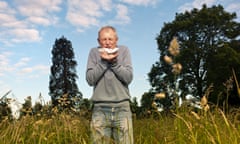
(160, 95)
(168, 59)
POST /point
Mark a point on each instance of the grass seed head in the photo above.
(176, 68)
(204, 101)
(174, 47)
(195, 115)
(160, 95)
(168, 59)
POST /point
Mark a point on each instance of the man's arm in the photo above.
(124, 70)
(96, 67)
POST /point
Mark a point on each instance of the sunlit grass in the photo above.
(182, 127)
(62, 128)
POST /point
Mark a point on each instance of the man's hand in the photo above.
(110, 57)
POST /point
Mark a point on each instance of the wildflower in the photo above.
(168, 59)
(174, 47)
(176, 68)
(160, 95)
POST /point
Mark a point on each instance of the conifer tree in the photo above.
(63, 88)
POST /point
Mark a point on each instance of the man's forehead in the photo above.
(107, 33)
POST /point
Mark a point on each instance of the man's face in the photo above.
(107, 38)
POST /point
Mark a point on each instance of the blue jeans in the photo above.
(112, 125)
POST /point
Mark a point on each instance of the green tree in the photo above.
(200, 34)
(146, 104)
(27, 107)
(134, 105)
(5, 110)
(220, 69)
(63, 88)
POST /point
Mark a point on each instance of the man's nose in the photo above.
(108, 41)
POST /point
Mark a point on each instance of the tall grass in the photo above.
(183, 127)
(58, 129)
(187, 127)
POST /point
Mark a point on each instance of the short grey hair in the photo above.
(108, 27)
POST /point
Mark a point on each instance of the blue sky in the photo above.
(29, 28)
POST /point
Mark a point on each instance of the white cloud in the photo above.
(34, 71)
(24, 35)
(38, 7)
(106, 5)
(196, 4)
(22, 62)
(20, 21)
(234, 7)
(39, 12)
(4, 63)
(5, 8)
(122, 16)
(140, 2)
(20, 67)
(84, 13)
(14, 30)
(39, 20)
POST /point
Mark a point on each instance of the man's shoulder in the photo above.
(123, 47)
(94, 49)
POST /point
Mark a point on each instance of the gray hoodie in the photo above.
(110, 80)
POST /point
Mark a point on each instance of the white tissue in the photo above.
(108, 50)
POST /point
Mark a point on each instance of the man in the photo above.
(109, 71)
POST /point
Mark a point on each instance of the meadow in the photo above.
(184, 126)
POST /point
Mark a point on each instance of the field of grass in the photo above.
(182, 127)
